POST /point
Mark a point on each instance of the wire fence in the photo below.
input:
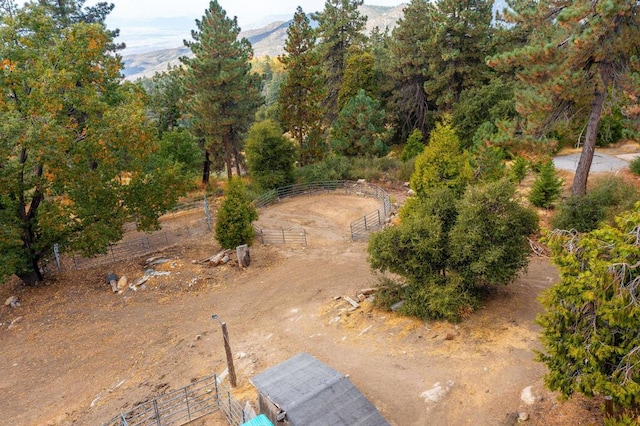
(360, 229)
(184, 405)
(149, 243)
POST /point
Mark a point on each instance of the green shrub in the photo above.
(608, 197)
(331, 168)
(634, 166)
(405, 170)
(233, 226)
(519, 168)
(442, 298)
(546, 188)
(414, 146)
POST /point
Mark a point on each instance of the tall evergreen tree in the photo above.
(340, 26)
(579, 51)
(360, 129)
(301, 94)
(166, 103)
(224, 93)
(359, 74)
(409, 103)
(455, 50)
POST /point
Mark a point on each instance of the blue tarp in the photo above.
(261, 420)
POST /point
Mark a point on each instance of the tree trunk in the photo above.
(31, 278)
(227, 155)
(588, 149)
(236, 153)
(206, 168)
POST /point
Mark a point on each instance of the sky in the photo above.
(247, 11)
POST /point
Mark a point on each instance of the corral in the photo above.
(81, 354)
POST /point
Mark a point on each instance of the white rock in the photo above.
(523, 417)
(437, 392)
(527, 396)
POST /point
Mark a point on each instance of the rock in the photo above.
(527, 396)
(523, 417)
(511, 419)
(12, 301)
(397, 306)
(411, 192)
(122, 284)
(111, 277)
(437, 392)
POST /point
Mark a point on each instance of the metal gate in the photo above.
(184, 405)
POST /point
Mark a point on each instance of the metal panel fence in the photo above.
(148, 244)
(184, 405)
(360, 229)
(281, 236)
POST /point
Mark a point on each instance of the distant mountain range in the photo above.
(267, 40)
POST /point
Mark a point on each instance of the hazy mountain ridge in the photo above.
(268, 40)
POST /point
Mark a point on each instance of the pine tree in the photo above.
(271, 156)
(340, 26)
(578, 52)
(414, 146)
(442, 163)
(409, 104)
(360, 129)
(592, 315)
(223, 92)
(302, 92)
(456, 48)
(546, 188)
(359, 74)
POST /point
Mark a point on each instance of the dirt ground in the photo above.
(78, 354)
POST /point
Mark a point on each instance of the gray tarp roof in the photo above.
(314, 394)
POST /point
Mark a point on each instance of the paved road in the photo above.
(601, 162)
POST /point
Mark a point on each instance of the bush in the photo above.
(634, 166)
(331, 168)
(591, 319)
(447, 249)
(233, 226)
(414, 146)
(440, 299)
(546, 188)
(519, 168)
(608, 197)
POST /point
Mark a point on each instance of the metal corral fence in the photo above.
(360, 229)
(280, 236)
(184, 405)
(150, 243)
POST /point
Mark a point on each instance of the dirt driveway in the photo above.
(81, 355)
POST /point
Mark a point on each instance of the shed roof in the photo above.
(314, 394)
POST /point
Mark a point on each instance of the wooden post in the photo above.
(227, 349)
(608, 406)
